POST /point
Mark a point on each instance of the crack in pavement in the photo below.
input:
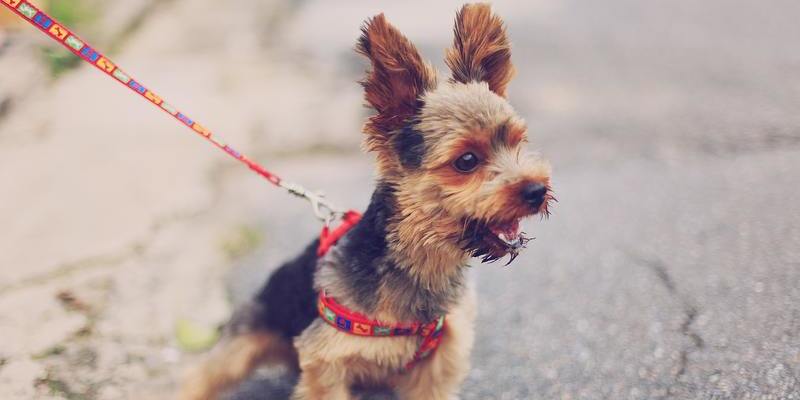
(135, 248)
(111, 259)
(134, 24)
(690, 311)
(5, 107)
(217, 177)
(697, 341)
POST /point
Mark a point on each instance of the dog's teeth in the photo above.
(512, 241)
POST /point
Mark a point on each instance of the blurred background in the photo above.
(669, 269)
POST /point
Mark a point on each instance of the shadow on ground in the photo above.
(273, 386)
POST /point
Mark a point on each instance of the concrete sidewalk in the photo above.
(118, 222)
(669, 268)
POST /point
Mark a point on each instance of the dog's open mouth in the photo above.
(491, 242)
(508, 234)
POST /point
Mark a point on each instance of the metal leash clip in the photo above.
(323, 209)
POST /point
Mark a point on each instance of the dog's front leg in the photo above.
(439, 377)
(320, 381)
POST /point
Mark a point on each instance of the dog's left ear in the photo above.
(481, 51)
(397, 79)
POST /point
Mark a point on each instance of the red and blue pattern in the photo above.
(354, 323)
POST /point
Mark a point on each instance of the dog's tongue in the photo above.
(508, 233)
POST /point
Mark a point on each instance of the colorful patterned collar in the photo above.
(354, 323)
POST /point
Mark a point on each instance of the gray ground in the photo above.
(670, 266)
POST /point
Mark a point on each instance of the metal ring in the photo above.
(323, 210)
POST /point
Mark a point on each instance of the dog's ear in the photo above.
(481, 51)
(394, 83)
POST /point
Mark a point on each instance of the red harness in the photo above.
(354, 323)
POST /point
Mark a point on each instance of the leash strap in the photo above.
(61, 34)
(329, 237)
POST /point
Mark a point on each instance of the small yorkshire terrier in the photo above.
(454, 181)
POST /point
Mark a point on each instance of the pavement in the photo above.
(670, 268)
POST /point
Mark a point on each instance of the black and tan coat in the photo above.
(454, 179)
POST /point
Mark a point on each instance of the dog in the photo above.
(454, 180)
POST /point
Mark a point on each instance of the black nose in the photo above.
(533, 194)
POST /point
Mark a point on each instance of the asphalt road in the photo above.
(671, 265)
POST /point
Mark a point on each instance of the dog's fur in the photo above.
(406, 259)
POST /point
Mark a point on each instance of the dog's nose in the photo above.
(533, 194)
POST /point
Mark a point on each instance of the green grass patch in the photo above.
(56, 350)
(193, 337)
(242, 241)
(72, 13)
(60, 388)
(75, 15)
(59, 60)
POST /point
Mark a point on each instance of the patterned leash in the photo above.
(323, 209)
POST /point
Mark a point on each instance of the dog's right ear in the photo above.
(394, 83)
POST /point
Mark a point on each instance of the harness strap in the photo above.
(354, 323)
(328, 238)
(346, 320)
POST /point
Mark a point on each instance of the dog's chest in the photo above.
(373, 357)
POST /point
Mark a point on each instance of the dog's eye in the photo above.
(467, 162)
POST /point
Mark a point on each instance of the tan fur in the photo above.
(433, 200)
(234, 359)
(439, 377)
(481, 51)
(426, 235)
(455, 109)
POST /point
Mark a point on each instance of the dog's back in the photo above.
(287, 302)
(261, 331)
